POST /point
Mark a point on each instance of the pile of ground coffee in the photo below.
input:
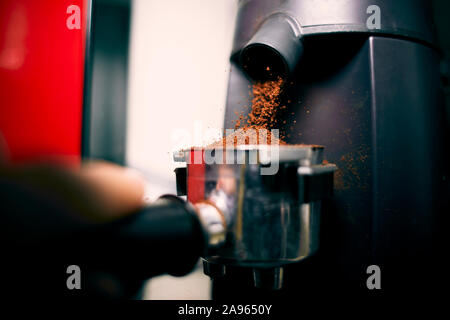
(247, 136)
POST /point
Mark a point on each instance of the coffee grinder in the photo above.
(362, 80)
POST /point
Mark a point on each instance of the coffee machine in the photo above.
(361, 79)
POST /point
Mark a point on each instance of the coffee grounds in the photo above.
(255, 128)
(265, 104)
(253, 135)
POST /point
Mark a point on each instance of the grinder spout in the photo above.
(274, 50)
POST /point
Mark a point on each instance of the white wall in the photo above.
(179, 64)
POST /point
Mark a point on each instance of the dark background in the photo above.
(441, 10)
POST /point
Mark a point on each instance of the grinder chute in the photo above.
(274, 50)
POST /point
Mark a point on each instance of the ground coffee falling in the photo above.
(265, 104)
(255, 127)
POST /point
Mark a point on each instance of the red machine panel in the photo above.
(196, 176)
(42, 49)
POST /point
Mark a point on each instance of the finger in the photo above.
(119, 191)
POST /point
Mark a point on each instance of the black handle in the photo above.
(165, 237)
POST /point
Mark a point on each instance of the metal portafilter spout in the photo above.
(274, 50)
(214, 223)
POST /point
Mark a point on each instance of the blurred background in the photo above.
(178, 70)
